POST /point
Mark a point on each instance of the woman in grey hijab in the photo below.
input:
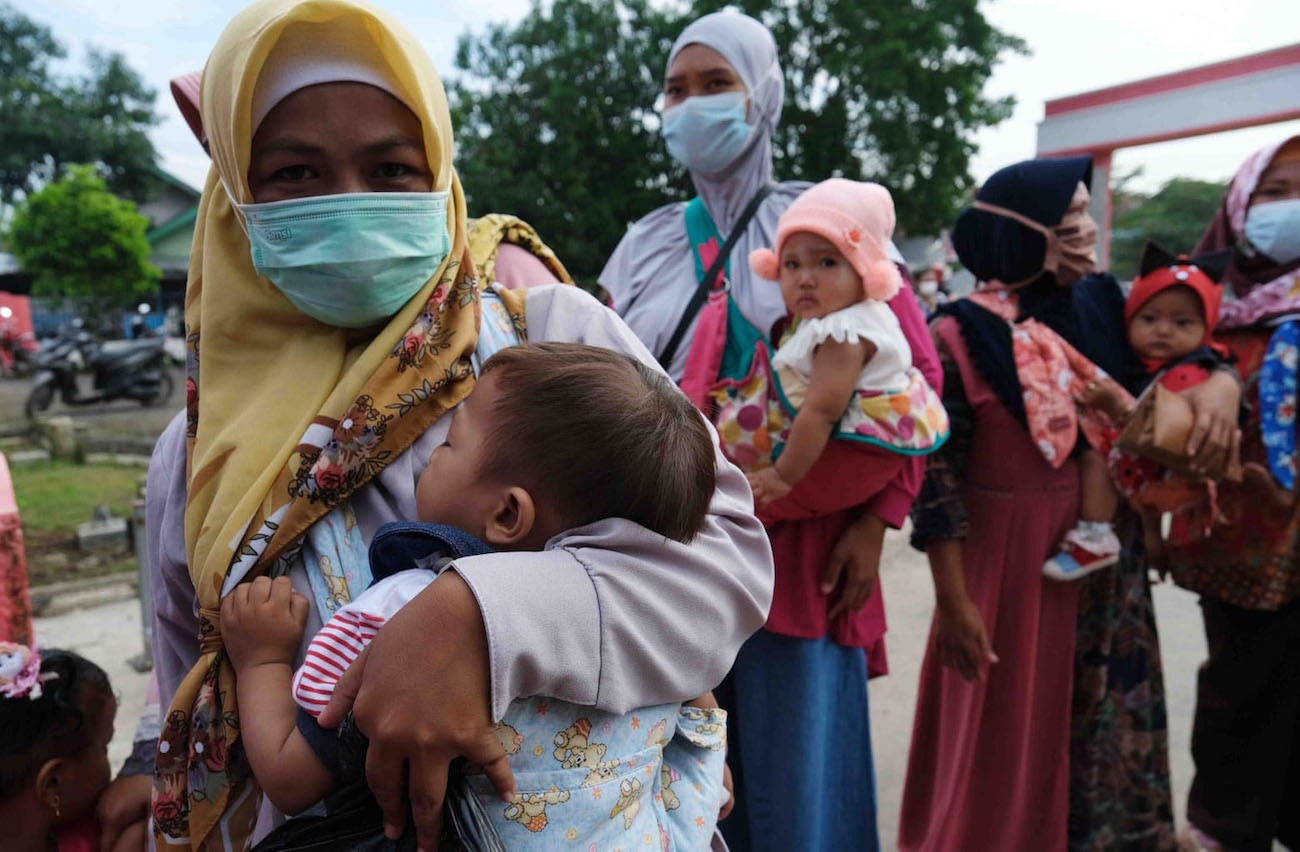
(799, 737)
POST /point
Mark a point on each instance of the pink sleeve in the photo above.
(892, 503)
(518, 269)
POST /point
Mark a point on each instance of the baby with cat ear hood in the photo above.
(1171, 313)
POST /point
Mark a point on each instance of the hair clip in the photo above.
(20, 671)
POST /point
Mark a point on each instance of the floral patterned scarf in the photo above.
(288, 417)
(1052, 377)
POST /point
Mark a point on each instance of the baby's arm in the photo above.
(836, 367)
(262, 624)
(1107, 397)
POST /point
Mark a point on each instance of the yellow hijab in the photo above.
(269, 386)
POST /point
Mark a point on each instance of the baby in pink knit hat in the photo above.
(847, 368)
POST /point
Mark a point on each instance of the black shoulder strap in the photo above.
(701, 293)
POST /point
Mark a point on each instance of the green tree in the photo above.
(47, 120)
(891, 92)
(555, 122)
(556, 116)
(1174, 216)
(83, 245)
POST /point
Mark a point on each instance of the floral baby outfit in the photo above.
(893, 406)
(585, 779)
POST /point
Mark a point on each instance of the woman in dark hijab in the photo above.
(1016, 744)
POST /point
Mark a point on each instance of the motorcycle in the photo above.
(121, 369)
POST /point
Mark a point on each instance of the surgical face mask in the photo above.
(349, 260)
(928, 287)
(707, 132)
(1071, 250)
(1274, 229)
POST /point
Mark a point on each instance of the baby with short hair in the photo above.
(567, 434)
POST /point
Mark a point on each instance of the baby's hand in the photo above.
(767, 485)
(1104, 395)
(262, 622)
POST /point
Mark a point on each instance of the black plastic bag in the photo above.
(353, 819)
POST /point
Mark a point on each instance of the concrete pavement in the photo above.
(110, 635)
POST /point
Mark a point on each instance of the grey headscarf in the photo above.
(651, 274)
(750, 49)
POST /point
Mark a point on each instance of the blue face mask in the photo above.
(349, 260)
(707, 132)
(1274, 229)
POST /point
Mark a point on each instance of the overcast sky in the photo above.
(1075, 47)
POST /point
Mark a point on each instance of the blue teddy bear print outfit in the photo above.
(585, 779)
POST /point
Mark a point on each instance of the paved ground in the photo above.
(122, 418)
(110, 634)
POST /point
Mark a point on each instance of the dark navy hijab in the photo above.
(1089, 315)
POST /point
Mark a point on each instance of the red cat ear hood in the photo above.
(1161, 270)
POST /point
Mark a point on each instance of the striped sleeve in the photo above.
(347, 634)
(330, 653)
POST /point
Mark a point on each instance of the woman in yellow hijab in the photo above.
(334, 318)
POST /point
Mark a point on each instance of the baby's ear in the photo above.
(47, 783)
(512, 519)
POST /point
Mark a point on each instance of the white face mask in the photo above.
(705, 133)
(1274, 229)
(349, 260)
(928, 287)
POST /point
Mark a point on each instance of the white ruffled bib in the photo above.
(886, 372)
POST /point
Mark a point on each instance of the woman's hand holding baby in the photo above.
(1215, 437)
(262, 622)
(418, 725)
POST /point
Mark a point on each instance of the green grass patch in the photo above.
(56, 496)
(53, 498)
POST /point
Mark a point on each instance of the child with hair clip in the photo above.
(553, 437)
(56, 720)
(1171, 313)
(847, 368)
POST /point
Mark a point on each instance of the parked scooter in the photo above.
(121, 369)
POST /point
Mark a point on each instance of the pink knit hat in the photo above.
(857, 218)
